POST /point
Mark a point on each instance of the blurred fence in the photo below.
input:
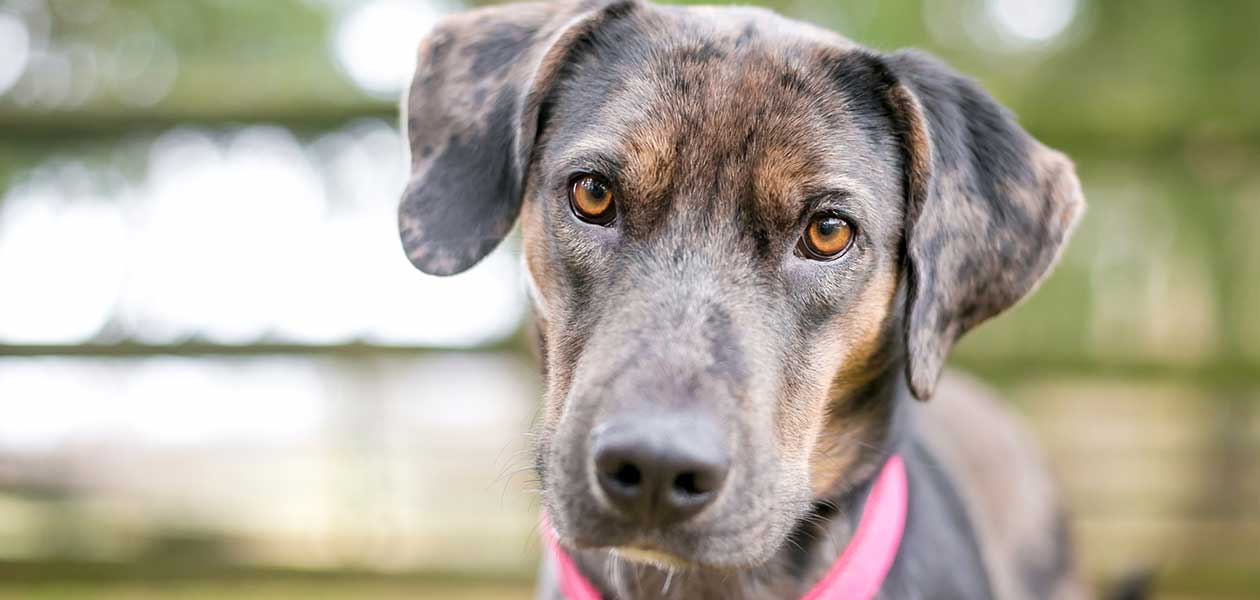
(214, 356)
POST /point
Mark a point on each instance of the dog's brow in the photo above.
(589, 159)
(833, 185)
(816, 189)
(817, 196)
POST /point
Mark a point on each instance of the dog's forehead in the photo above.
(713, 100)
(711, 64)
(755, 23)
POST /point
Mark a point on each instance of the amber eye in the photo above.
(592, 199)
(827, 237)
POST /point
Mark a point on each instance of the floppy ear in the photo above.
(471, 118)
(989, 210)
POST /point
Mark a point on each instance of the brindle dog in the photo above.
(752, 244)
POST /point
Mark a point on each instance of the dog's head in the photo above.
(736, 226)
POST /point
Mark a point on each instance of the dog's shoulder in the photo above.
(993, 459)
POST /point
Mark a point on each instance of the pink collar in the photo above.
(857, 575)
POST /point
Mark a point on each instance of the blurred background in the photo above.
(219, 377)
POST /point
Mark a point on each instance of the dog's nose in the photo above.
(660, 470)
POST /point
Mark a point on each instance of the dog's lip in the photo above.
(638, 551)
(651, 556)
(645, 552)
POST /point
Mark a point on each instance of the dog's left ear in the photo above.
(989, 208)
(471, 118)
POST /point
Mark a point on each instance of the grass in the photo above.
(264, 590)
(152, 581)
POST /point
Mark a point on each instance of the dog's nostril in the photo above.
(627, 475)
(688, 484)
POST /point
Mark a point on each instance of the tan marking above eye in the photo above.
(592, 199)
(827, 237)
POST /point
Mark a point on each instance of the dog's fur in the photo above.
(722, 131)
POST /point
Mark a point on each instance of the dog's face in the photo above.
(735, 226)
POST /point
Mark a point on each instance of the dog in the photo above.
(751, 244)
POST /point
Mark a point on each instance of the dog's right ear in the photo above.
(471, 118)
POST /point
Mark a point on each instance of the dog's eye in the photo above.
(592, 199)
(827, 237)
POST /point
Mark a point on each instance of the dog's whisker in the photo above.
(614, 571)
(638, 575)
(506, 480)
(514, 472)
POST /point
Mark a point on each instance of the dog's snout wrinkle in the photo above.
(660, 470)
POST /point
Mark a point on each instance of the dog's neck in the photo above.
(815, 543)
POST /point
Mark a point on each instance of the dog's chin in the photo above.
(663, 557)
(651, 558)
(688, 550)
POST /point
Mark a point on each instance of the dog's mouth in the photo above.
(661, 554)
(717, 546)
(651, 557)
